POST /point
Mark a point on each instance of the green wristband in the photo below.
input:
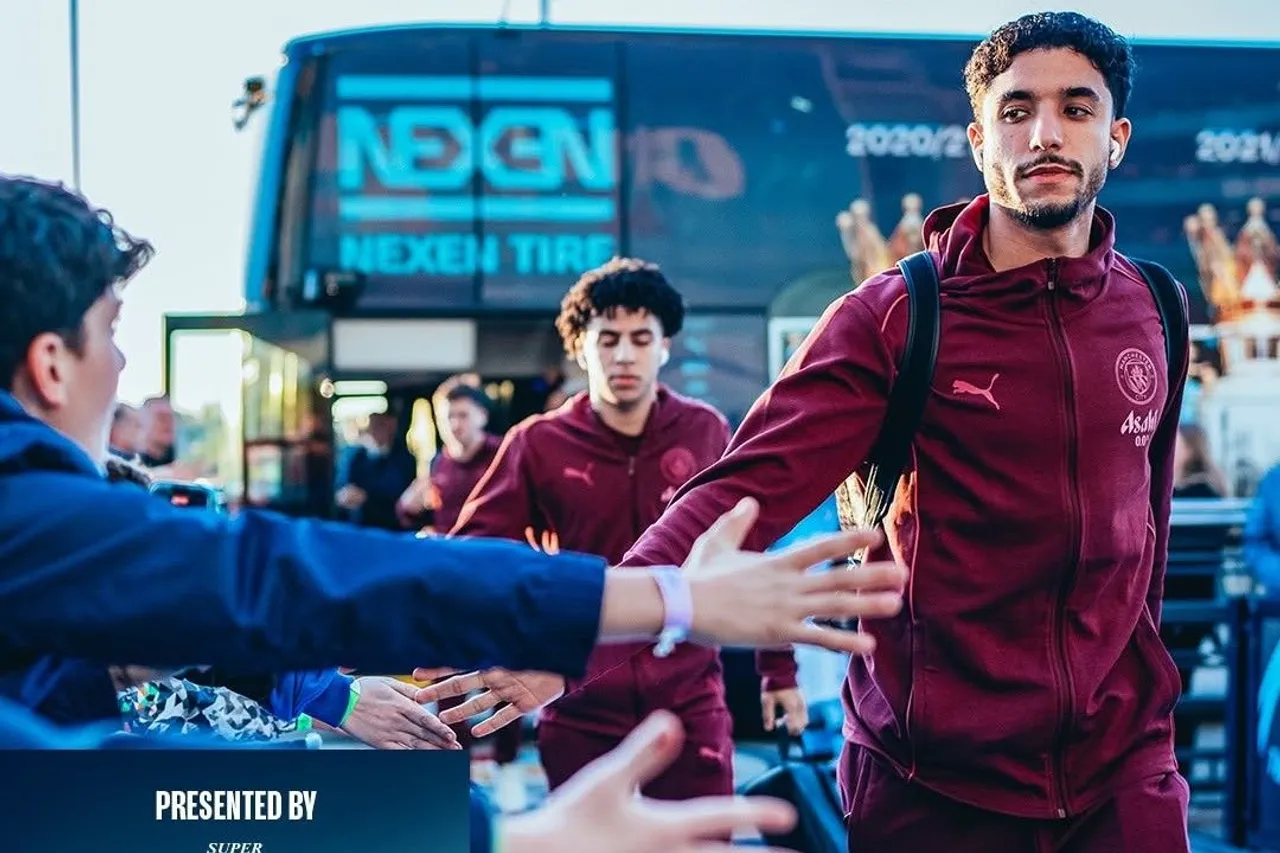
(352, 701)
(304, 723)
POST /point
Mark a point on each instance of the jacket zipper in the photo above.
(1066, 696)
(635, 499)
(640, 663)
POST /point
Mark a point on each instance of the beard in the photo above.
(1046, 215)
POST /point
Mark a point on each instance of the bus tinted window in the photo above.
(742, 160)
(393, 192)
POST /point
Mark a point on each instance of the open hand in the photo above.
(387, 717)
(524, 692)
(599, 808)
(795, 712)
(741, 598)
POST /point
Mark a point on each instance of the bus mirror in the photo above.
(253, 97)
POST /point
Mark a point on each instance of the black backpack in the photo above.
(864, 498)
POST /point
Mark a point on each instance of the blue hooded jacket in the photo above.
(1262, 534)
(105, 573)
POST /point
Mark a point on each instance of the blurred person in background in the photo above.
(125, 439)
(462, 418)
(375, 475)
(1196, 475)
(159, 432)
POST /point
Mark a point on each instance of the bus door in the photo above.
(253, 398)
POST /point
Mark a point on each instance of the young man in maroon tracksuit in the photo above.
(468, 450)
(1023, 698)
(591, 476)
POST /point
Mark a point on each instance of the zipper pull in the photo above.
(1053, 273)
(631, 466)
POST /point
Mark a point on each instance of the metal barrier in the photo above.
(1205, 625)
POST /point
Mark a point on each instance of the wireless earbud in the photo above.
(666, 356)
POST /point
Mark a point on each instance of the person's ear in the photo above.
(48, 368)
(974, 132)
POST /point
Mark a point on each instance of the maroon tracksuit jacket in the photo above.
(453, 481)
(565, 479)
(1025, 674)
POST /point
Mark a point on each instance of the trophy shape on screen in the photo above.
(908, 237)
(1241, 284)
(1215, 258)
(865, 246)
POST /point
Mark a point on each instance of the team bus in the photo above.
(427, 194)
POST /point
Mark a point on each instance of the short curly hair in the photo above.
(1109, 52)
(628, 283)
(58, 256)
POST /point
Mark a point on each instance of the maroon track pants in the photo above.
(891, 815)
(704, 767)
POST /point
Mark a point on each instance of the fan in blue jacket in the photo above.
(71, 691)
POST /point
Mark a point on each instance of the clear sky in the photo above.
(158, 77)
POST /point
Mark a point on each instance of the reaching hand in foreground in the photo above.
(387, 717)
(739, 598)
(598, 810)
(522, 693)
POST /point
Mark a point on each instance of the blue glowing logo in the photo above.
(544, 149)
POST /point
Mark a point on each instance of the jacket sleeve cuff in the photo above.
(330, 705)
(777, 669)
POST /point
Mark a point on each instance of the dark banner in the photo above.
(235, 801)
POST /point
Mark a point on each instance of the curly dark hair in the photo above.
(628, 283)
(1109, 53)
(58, 256)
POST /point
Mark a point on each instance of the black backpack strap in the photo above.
(1173, 316)
(910, 391)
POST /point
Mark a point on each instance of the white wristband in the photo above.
(677, 601)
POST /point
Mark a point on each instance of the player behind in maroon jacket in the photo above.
(462, 417)
(591, 476)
